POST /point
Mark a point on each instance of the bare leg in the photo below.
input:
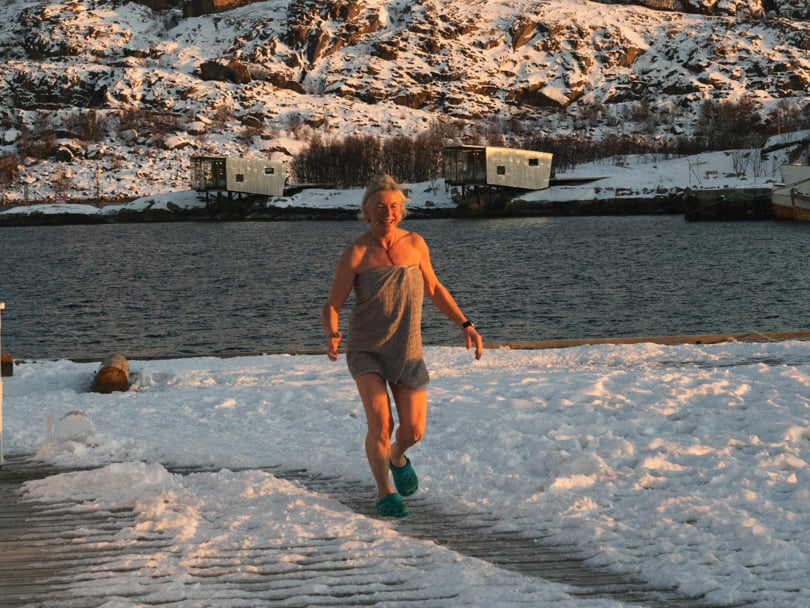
(379, 418)
(411, 406)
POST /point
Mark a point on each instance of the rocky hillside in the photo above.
(111, 98)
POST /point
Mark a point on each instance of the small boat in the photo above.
(791, 200)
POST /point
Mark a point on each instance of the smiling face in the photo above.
(383, 210)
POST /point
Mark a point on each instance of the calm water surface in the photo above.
(227, 288)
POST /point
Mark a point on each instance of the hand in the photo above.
(332, 343)
(471, 337)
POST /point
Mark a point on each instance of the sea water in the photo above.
(207, 288)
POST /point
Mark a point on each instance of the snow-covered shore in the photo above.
(641, 183)
(684, 465)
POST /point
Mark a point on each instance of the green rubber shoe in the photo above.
(392, 506)
(405, 478)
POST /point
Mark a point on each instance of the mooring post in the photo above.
(2, 307)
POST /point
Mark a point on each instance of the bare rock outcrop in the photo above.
(322, 28)
(227, 70)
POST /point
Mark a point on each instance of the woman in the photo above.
(389, 268)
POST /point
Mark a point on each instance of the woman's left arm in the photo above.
(444, 301)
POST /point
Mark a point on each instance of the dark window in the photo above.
(501, 170)
(269, 170)
(534, 162)
(240, 177)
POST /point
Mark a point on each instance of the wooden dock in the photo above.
(45, 549)
(750, 336)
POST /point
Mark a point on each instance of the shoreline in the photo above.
(608, 207)
(723, 204)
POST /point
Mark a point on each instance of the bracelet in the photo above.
(467, 324)
(334, 334)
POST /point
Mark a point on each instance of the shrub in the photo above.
(9, 169)
(148, 122)
(39, 140)
(727, 124)
(353, 160)
(346, 162)
(88, 126)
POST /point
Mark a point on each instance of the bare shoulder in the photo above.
(420, 247)
(354, 253)
(415, 240)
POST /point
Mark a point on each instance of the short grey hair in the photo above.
(382, 183)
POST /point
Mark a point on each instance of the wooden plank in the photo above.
(683, 339)
(38, 566)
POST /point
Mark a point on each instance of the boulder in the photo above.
(228, 70)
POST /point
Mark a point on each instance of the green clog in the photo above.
(405, 478)
(392, 506)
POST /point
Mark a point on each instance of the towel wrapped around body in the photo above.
(385, 333)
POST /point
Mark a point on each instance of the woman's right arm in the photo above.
(341, 288)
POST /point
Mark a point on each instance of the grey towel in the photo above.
(385, 323)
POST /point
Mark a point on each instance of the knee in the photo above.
(381, 431)
(409, 435)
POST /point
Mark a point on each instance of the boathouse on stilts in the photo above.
(235, 181)
(483, 177)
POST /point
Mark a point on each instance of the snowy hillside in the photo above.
(110, 99)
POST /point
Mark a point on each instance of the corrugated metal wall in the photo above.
(255, 176)
(518, 168)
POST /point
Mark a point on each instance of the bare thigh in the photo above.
(411, 404)
(376, 403)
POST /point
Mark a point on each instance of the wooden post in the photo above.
(6, 365)
(113, 375)
(2, 307)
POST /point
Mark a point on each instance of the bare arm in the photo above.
(444, 301)
(341, 288)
